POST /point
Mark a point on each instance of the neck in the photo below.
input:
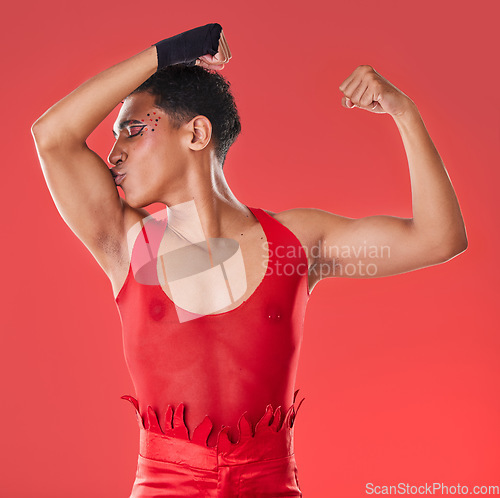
(205, 207)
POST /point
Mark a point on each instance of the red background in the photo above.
(400, 374)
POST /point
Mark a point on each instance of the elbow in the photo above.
(460, 241)
(49, 137)
(46, 138)
(454, 249)
(39, 127)
(36, 128)
(459, 249)
(453, 241)
(41, 134)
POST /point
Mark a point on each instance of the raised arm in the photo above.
(383, 245)
(79, 181)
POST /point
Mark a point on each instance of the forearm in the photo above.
(71, 120)
(436, 212)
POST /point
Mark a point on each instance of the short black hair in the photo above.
(184, 92)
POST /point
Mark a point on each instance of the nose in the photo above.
(117, 155)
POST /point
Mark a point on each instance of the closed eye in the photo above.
(135, 130)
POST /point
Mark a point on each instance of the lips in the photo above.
(119, 178)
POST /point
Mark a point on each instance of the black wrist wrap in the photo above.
(186, 47)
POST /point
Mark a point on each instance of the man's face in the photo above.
(148, 151)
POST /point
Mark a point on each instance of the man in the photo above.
(212, 293)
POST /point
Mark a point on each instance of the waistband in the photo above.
(270, 439)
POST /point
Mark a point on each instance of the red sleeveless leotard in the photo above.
(219, 365)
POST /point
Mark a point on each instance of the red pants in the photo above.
(261, 463)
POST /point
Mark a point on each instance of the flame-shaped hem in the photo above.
(270, 421)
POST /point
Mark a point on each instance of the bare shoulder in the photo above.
(304, 223)
(310, 222)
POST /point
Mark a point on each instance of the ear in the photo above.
(201, 131)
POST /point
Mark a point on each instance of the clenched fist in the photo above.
(367, 89)
(218, 60)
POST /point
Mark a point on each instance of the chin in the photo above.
(131, 201)
(137, 202)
